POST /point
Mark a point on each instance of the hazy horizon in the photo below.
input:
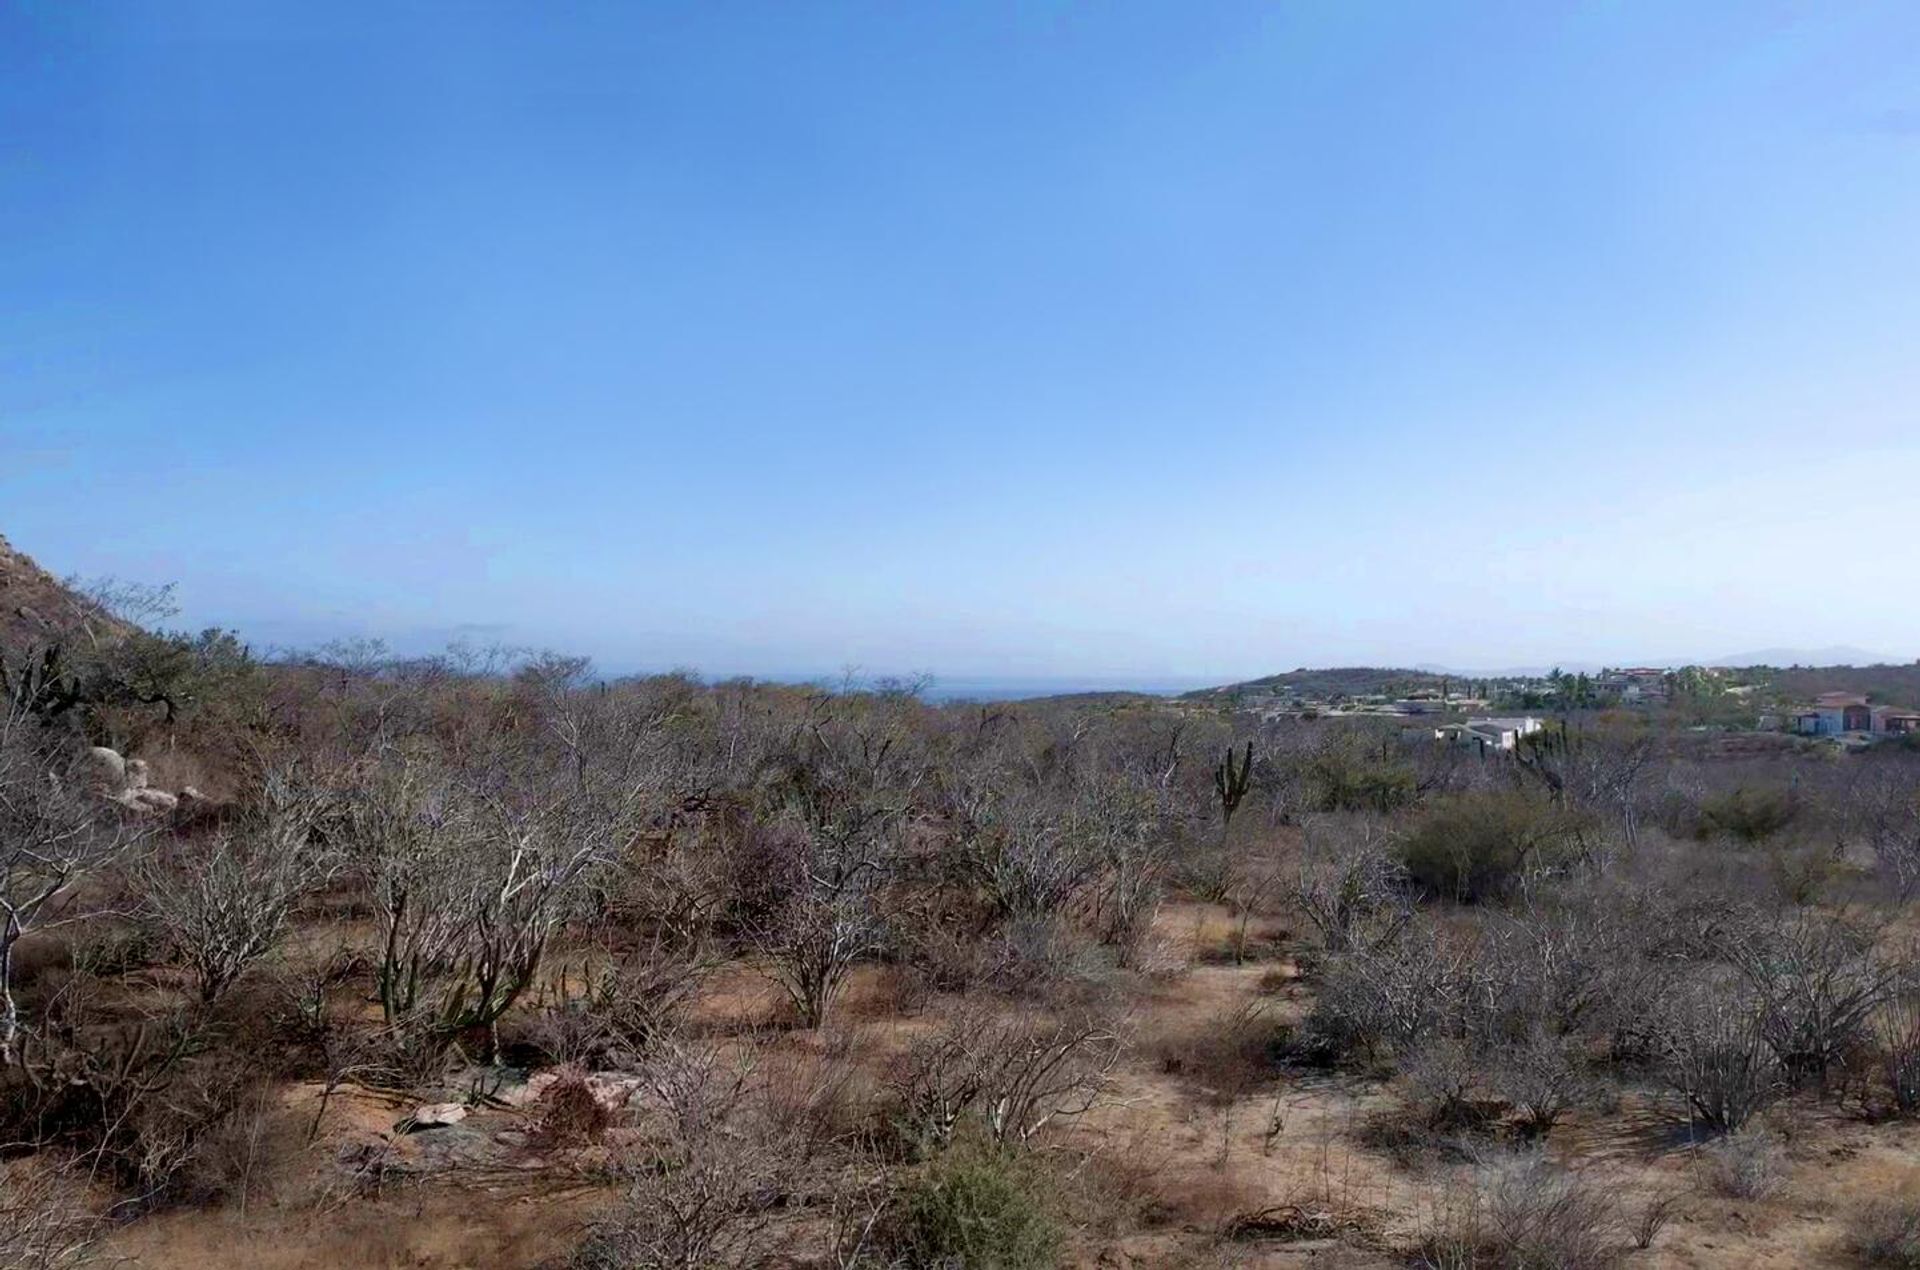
(1150, 343)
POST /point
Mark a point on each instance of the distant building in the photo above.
(1635, 685)
(1838, 713)
(1490, 734)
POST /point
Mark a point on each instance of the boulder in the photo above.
(106, 768)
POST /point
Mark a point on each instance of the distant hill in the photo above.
(1884, 684)
(1109, 700)
(1841, 655)
(1335, 681)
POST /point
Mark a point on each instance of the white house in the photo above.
(1490, 734)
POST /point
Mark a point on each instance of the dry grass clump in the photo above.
(1230, 1055)
(1886, 1233)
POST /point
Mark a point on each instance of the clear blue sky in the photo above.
(996, 340)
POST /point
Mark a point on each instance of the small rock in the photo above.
(435, 1115)
(147, 800)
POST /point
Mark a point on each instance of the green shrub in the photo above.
(1749, 816)
(1478, 846)
(1347, 780)
(976, 1208)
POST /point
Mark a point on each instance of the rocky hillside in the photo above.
(35, 606)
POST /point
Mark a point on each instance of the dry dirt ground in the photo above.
(1159, 1174)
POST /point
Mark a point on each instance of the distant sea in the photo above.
(965, 689)
(951, 688)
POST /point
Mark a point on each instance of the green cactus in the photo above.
(39, 686)
(1232, 784)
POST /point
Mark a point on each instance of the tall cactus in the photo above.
(40, 685)
(1546, 754)
(1232, 784)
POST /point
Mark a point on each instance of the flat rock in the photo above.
(434, 1115)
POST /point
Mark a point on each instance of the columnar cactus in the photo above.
(1232, 784)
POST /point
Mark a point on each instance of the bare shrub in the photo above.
(468, 886)
(821, 1093)
(706, 1187)
(831, 919)
(233, 1152)
(1521, 1212)
(617, 1006)
(1047, 957)
(855, 1230)
(1718, 1059)
(1897, 1031)
(1029, 858)
(1439, 1079)
(1397, 995)
(1016, 1077)
(1349, 888)
(1230, 1055)
(1558, 970)
(143, 1101)
(1882, 811)
(1544, 1076)
(53, 838)
(224, 903)
(1817, 985)
(41, 1226)
(1121, 823)
(1749, 1164)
